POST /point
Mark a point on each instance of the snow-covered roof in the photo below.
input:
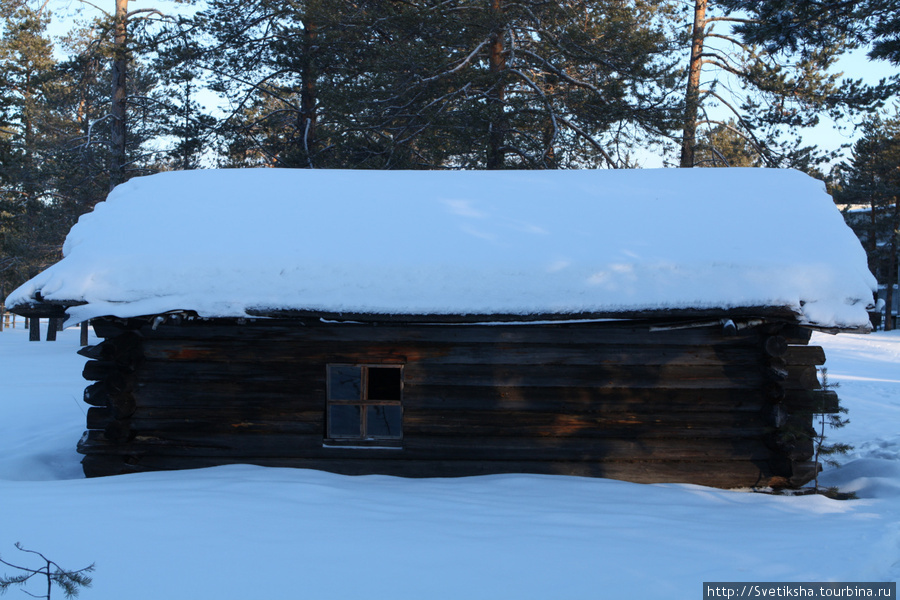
(225, 242)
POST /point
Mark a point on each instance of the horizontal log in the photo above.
(775, 345)
(193, 422)
(674, 316)
(281, 374)
(446, 423)
(94, 352)
(238, 394)
(802, 472)
(453, 449)
(96, 394)
(582, 399)
(443, 353)
(96, 370)
(613, 333)
(804, 355)
(818, 402)
(664, 377)
(723, 474)
(105, 327)
(695, 426)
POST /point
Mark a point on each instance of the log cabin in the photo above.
(645, 325)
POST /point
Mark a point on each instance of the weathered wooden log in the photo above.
(522, 396)
(52, 328)
(598, 334)
(122, 406)
(118, 431)
(775, 346)
(774, 391)
(518, 449)
(817, 402)
(803, 471)
(94, 352)
(124, 350)
(111, 328)
(663, 377)
(96, 370)
(96, 394)
(445, 353)
(310, 395)
(725, 474)
(776, 370)
(801, 450)
(505, 423)
(805, 355)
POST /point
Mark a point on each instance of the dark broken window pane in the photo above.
(384, 383)
(344, 421)
(383, 421)
(344, 382)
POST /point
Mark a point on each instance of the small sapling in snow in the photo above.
(70, 582)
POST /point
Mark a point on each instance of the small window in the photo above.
(364, 404)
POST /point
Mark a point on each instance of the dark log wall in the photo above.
(599, 399)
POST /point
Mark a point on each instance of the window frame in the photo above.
(364, 439)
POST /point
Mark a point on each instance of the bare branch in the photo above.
(612, 164)
(459, 67)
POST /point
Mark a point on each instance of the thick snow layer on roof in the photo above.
(220, 242)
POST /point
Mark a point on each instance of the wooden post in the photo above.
(52, 328)
(84, 333)
(34, 329)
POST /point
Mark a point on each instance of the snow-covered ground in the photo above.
(245, 532)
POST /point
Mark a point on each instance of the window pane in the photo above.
(384, 383)
(344, 382)
(344, 421)
(383, 421)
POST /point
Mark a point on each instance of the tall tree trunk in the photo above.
(892, 274)
(308, 91)
(117, 110)
(692, 97)
(497, 121)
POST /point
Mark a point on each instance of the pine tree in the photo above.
(28, 227)
(724, 145)
(441, 84)
(869, 185)
(779, 56)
